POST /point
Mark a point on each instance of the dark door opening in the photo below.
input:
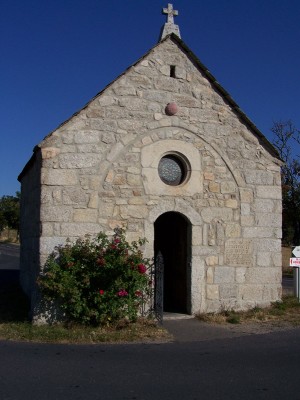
(171, 239)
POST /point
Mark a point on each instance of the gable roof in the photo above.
(205, 71)
(226, 96)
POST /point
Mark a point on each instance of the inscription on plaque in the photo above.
(238, 253)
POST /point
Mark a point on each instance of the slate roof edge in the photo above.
(226, 95)
(208, 75)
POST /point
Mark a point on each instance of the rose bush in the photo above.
(97, 281)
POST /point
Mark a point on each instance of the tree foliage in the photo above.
(286, 137)
(10, 212)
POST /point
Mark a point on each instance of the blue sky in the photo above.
(56, 55)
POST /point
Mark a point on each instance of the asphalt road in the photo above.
(248, 367)
(9, 256)
(9, 264)
(212, 365)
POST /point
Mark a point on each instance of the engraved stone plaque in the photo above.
(238, 252)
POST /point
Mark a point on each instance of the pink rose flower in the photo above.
(142, 268)
(122, 293)
(100, 261)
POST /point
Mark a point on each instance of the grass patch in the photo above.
(15, 325)
(233, 318)
(142, 330)
(287, 311)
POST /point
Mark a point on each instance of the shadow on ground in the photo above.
(14, 304)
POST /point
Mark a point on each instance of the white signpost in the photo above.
(295, 263)
(296, 251)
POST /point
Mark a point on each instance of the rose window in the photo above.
(172, 170)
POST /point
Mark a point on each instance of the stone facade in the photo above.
(99, 170)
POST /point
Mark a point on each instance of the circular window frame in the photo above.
(183, 164)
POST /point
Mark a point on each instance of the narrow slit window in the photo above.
(172, 71)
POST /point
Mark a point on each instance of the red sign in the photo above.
(295, 262)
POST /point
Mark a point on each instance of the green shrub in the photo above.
(97, 281)
(233, 319)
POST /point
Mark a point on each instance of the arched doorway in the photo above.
(172, 239)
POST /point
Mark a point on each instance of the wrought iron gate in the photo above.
(153, 302)
(159, 287)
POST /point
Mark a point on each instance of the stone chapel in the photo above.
(166, 153)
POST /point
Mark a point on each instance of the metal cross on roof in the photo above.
(170, 12)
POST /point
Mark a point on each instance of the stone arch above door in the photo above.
(176, 205)
(168, 139)
(183, 132)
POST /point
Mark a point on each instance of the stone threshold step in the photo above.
(169, 316)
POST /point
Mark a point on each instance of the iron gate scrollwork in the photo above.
(153, 303)
(159, 287)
